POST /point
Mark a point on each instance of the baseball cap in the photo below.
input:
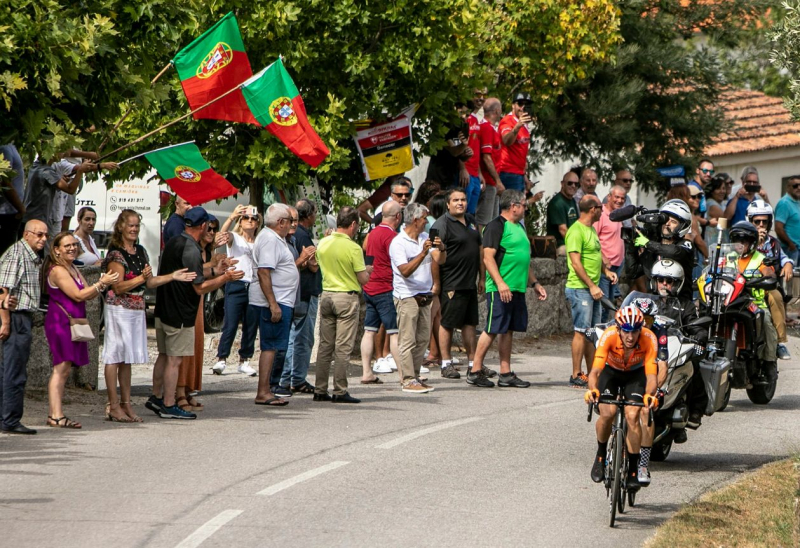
(694, 191)
(522, 97)
(195, 217)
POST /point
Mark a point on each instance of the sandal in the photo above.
(134, 417)
(273, 402)
(376, 380)
(196, 405)
(185, 406)
(67, 423)
(304, 388)
(112, 418)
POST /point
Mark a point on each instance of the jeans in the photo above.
(609, 290)
(473, 194)
(236, 301)
(301, 341)
(513, 181)
(14, 369)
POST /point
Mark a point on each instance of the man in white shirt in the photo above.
(272, 298)
(413, 280)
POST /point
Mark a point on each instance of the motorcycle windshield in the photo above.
(728, 262)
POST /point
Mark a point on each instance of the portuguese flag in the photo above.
(213, 64)
(188, 174)
(275, 102)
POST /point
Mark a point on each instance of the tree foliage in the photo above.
(786, 52)
(658, 104)
(68, 66)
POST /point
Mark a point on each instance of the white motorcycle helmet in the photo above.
(667, 268)
(760, 208)
(677, 209)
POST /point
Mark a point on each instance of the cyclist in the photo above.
(629, 349)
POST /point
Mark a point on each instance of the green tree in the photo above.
(658, 104)
(786, 53)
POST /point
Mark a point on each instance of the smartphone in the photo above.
(369, 260)
(252, 211)
(433, 234)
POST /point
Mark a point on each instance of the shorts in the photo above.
(586, 312)
(174, 341)
(513, 181)
(459, 308)
(488, 206)
(505, 317)
(380, 310)
(633, 383)
(274, 336)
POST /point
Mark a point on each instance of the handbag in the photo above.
(79, 328)
(543, 247)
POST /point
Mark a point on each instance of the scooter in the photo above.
(673, 413)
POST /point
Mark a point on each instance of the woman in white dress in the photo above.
(240, 247)
(89, 255)
(125, 340)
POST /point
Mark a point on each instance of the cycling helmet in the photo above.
(629, 318)
(759, 208)
(677, 209)
(667, 268)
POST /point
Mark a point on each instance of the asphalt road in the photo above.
(458, 467)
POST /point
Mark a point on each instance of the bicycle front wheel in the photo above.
(622, 470)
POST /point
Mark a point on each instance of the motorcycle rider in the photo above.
(744, 237)
(666, 283)
(673, 244)
(761, 215)
(629, 350)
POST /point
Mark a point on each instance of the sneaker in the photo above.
(423, 369)
(154, 404)
(581, 381)
(488, 372)
(512, 381)
(175, 412)
(632, 481)
(281, 392)
(783, 352)
(598, 469)
(390, 362)
(695, 419)
(479, 379)
(680, 436)
(245, 369)
(415, 387)
(450, 372)
(218, 368)
(381, 366)
(424, 382)
(644, 476)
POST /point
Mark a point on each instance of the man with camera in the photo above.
(751, 189)
(516, 141)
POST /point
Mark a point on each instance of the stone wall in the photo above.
(41, 360)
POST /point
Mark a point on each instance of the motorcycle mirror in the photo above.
(700, 322)
(607, 304)
(766, 283)
(663, 320)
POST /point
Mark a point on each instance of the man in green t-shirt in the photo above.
(585, 263)
(507, 257)
(562, 211)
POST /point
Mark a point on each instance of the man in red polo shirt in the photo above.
(516, 140)
(473, 164)
(488, 205)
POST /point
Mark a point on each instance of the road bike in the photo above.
(616, 468)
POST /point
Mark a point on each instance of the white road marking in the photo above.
(278, 487)
(571, 401)
(426, 431)
(208, 528)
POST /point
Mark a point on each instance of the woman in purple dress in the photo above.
(68, 293)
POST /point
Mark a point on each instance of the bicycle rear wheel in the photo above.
(622, 470)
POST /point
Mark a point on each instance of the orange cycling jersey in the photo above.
(611, 351)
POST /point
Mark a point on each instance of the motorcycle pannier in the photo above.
(716, 380)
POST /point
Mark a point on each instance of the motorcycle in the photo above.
(673, 412)
(736, 333)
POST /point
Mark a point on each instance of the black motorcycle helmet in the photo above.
(744, 232)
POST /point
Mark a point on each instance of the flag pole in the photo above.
(128, 112)
(151, 151)
(172, 123)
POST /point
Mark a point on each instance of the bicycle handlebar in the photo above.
(620, 403)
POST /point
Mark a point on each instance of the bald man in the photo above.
(19, 280)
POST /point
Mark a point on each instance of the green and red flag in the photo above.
(214, 63)
(275, 102)
(185, 170)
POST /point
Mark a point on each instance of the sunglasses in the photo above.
(764, 222)
(213, 229)
(708, 171)
(402, 194)
(796, 185)
(665, 280)
(249, 218)
(575, 184)
(625, 180)
(696, 196)
(37, 234)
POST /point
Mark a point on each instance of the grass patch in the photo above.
(760, 510)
